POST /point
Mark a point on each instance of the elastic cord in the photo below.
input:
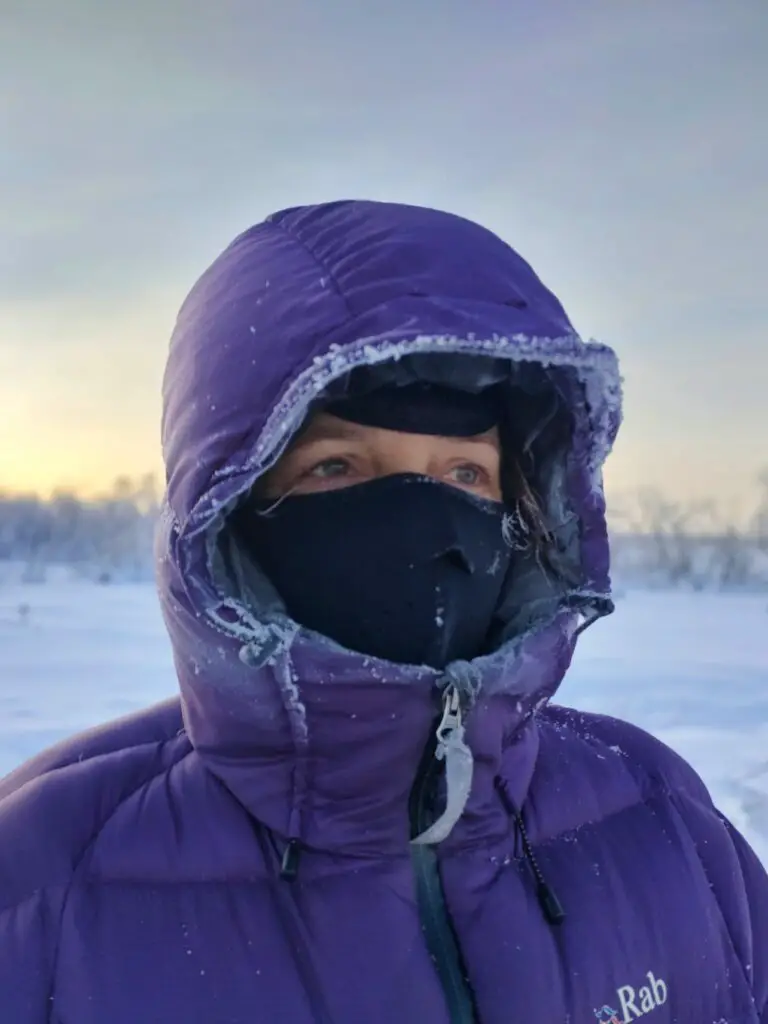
(550, 905)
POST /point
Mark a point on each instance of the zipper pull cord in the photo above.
(289, 864)
(459, 768)
(550, 905)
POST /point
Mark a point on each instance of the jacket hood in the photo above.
(282, 318)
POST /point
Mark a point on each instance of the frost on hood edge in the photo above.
(598, 363)
(594, 364)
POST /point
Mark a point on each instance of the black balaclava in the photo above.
(402, 567)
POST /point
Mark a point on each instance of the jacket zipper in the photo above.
(435, 919)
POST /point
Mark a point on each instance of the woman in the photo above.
(384, 531)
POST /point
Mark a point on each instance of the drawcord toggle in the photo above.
(289, 865)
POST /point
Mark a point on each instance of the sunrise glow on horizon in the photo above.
(632, 180)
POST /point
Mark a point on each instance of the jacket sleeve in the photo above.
(46, 821)
(755, 881)
(34, 878)
(52, 810)
(739, 882)
(27, 953)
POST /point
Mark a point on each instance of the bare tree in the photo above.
(760, 518)
(695, 545)
(673, 529)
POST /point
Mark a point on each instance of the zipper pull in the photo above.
(289, 865)
(459, 769)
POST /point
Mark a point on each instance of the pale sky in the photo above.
(621, 147)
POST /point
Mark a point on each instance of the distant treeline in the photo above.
(106, 538)
(655, 542)
(663, 543)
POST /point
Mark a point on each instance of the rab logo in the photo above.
(635, 1003)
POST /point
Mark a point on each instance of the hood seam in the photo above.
(297, 239)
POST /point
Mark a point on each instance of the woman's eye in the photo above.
(329, 469)
(467, 475)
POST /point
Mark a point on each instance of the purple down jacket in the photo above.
(243, 855)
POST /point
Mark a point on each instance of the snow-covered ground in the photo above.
(691, 668)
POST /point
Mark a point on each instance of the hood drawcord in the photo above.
(292, 921)
(550, 905)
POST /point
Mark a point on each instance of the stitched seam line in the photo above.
(326, 270)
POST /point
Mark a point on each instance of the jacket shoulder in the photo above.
(606, 766)
(651, 764)
(53, 807)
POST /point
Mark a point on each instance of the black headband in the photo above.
(422, 408)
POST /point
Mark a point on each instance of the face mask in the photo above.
(402, 568)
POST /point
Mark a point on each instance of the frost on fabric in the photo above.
(493, 568)
(266, 645)
(515, 530)
(289, 684)
(595, 365)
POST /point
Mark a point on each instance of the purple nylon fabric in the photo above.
(140, 863)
